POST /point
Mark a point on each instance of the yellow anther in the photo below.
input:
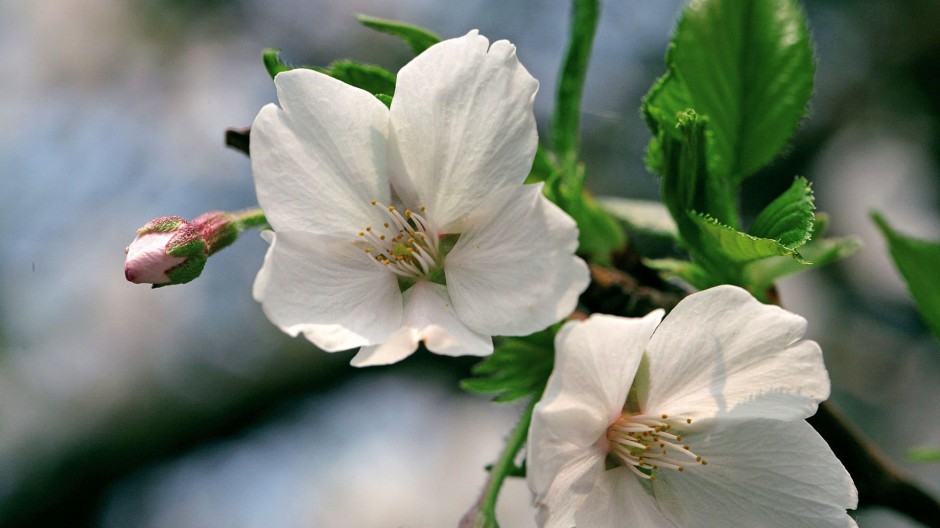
(374, 202)
(369, 228)
(362, 234)
(391, 208)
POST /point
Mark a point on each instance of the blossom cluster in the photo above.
(412, 224)
(409, 224)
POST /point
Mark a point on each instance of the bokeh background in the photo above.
(122, 406)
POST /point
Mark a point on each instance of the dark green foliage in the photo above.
(519, 367)
(919, 264)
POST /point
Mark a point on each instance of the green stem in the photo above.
(565, 122)
(249, 218)
(483, 514)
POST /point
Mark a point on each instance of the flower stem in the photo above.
(566, 121)
(249, 218)
(483, 513)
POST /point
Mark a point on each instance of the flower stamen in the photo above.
(407, 245)
(642, 444)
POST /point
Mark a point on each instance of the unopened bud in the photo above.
(169, 250)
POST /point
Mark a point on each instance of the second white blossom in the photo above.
(697, 421)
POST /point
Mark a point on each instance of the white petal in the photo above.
(619, 496)
(721, 351)
(765, 473)
(327, 289)
(428, 317)
(319, 162)
(558, 494)
(461, 123)
(513, 271)
(595, 362)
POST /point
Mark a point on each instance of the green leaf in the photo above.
(543, 168)
(924, 454)
(519, 367)
(373, 79)
(664, 102)
(417, 38)
(789, 218)
(733, 245)
(817, 253)
(273, 62)
(646, 216)
(918, 262)
(690, 272)
(686, 182)
(749, 67)
(385, 98)
(599, 234)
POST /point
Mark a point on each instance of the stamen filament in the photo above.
(641, 442)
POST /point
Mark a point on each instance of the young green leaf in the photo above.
(735, 246)
(385, 98)
(519, 367)
(690, 272)
(687, 184)
(817, 253)
(749, 67)
(918, 261)
(789, 218)
(273, 62)
(647, 216)
(373, 79)
(417, 38)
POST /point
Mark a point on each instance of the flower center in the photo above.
(407, 244)
(644, 443)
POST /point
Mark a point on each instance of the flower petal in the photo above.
(595, 362)
(320, 160)
(766, 473)
(618, 496)
(327, 289)
(560, 491)
(461, 123)
(513, 271)
(721, 351)
(428, 317)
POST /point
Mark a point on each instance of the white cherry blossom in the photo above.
(411, 223)
(695, 421)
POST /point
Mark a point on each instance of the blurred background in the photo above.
(122, 406)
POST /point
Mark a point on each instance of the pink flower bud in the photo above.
(167, 250)
(147, 260)
(170, 250)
